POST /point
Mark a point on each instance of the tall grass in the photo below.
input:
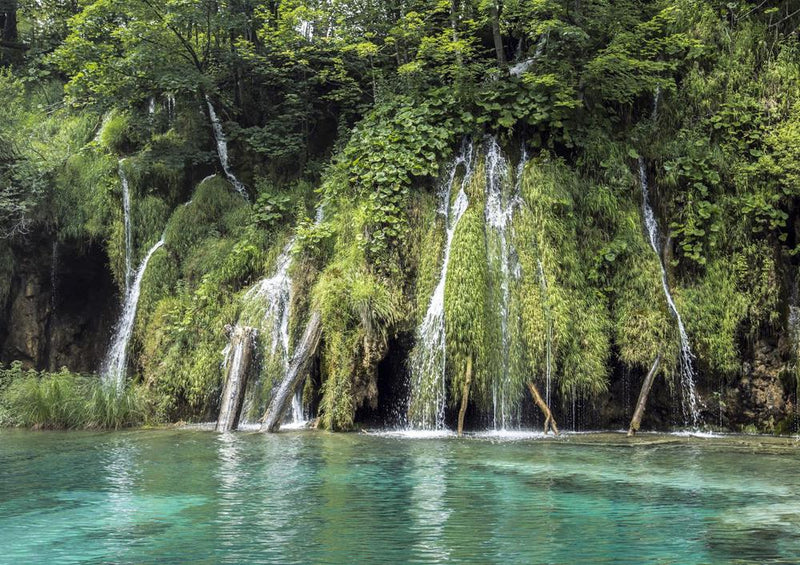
(66, 400)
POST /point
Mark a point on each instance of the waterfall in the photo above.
(428, 363)
(169, 103)
(522, 67)
(499, 213)
(115, 363)
(298, 412)
(222, 149)
(686, 355)
(126, 218)
(151, 107)
(268, 306)
(276, 293)
(656, 98)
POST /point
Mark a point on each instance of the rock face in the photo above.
(59, 307)
(759, 399)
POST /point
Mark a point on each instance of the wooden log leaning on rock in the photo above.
(241, 356)
(636, 421)
(298, 366)
(549, 421)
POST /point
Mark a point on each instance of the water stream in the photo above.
(428, 359)
(115, 364)
(126, 219)
(691, 404)
(222, 149)
(499, 213)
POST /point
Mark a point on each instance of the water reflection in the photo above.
(429, 511)
(122, 475)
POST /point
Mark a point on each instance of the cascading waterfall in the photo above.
(115, 364)
(222, 149)
(270, 303)
(499, 213)
(169, 103)
(273, 297)
(126, 218)
(428, 362)
(687, 374)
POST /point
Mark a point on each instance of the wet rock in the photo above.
(759, 400)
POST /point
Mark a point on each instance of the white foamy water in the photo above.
(222, 149)
(687, 374)
(114, 366)
(499, 213)
(428, 359)
(126, 218)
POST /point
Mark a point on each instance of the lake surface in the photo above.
(189, 496)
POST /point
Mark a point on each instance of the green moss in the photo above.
(565, 316)
(712, 309)
(115, 132)
(466, 298)
(359, 309)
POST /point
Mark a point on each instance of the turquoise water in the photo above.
(305, 497)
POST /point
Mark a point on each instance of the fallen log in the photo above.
(549, 421)
(298, 366)
(241, 355)
(636, 421)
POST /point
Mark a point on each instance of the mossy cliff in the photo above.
(352, 131)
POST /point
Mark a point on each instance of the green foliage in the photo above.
(713, 309)
(358, 310)
(466, 302)
(386, 89)
(214, 210)
(270, 209)
(565, 318)
(66, 400)
(393, 146)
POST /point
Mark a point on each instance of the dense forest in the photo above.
(425, 213)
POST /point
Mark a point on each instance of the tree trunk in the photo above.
(642, 402)
(298, 366)
(454, 27)
(465, 397)
(494, 14)
(549, 421)
(241, 354)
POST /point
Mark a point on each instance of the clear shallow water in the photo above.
(190, 496)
